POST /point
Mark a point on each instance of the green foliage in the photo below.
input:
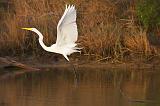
(148, 12)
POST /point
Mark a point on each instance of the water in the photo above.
(107, 87)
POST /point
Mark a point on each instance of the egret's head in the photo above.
(30, 29)
(34, 30)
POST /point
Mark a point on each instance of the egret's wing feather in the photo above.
(67, 28)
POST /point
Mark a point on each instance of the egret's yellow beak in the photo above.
(27, 29)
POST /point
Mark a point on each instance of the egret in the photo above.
(67, 34)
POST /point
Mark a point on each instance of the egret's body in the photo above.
(67, 34)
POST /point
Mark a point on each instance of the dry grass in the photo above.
(107, 28)
(138, 43)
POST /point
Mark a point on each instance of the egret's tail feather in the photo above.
(76, 51)
(77, 48)
(71, 48)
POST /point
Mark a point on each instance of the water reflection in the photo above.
(91, 88)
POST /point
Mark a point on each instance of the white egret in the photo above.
(67, 34)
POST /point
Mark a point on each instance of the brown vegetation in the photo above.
(107, 28)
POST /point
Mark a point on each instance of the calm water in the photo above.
(85, 88)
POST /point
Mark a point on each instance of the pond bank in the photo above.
(37, 65)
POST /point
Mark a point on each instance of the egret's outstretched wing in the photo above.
(67, 27)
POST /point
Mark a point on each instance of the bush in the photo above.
(148, 12)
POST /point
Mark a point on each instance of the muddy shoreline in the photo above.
(34, 64)
(14, 67)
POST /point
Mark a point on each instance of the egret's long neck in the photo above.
(41, 40)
